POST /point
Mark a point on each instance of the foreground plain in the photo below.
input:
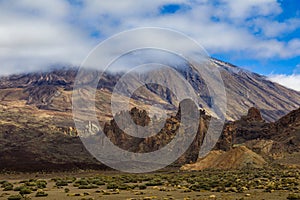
(238, 184)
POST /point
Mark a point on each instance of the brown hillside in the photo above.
(236, 158)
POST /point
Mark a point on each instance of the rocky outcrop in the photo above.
(163, 136)
(253, 115)
(249, 127)
(273, 140)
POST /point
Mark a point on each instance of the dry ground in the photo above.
(241, 184)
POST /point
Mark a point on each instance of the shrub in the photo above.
(30, 184)
(25, 190)
(293, 197)
(14, 197)
(8, 187)
(82, 182)
(88, 187)
(123, 187)
(142, 187)
(2, 182)
(24, 181)
(41, 184)
(5, 183)
(155, 182)
(98, 182)
(18, 188)
(132, 187)
(195, 187)
(41, 194)
(112, 186)
(71, 179)
(60, 183)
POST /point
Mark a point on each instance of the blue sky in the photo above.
(260, 35)
(273, 65)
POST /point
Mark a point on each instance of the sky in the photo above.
(262, 36)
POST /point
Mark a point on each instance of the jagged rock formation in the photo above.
(274, 140)
(163, 136)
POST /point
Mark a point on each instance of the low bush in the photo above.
(61, 183)
(8, 187)
(41, 194)
(155, 182)
(82, 182)
(293, 197)
(112, 186)
(25, 190)
(88, 186)
(97, 182)
(15, 197)
(142, 187)
(41, 184)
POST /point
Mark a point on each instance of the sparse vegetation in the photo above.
(15, 197)
(142, 187)
(88, 187)
(112, 186)
(238, 183)
(293, 197)
(41, 184)
(25, 190)
(41, 194)
(8, 188)
(60, 183)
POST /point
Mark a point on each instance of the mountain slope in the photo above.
(245, 89)
(53, 91)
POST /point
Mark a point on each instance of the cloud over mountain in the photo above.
(37, 34)
(290, 81)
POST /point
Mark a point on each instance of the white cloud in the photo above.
(274, 28)
(230, 33)
(54, 9)
(241, 10)
(34, 34)
(290, 81)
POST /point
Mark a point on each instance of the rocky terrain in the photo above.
(254, 141)
(37, 131)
